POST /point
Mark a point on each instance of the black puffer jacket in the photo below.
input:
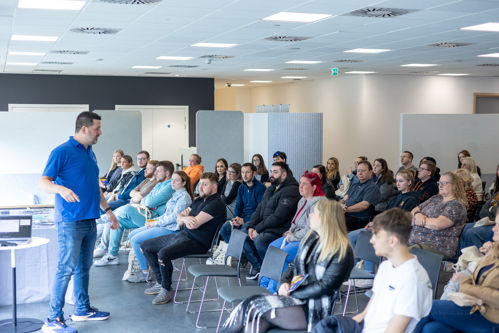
(329, 189)
(277, 208)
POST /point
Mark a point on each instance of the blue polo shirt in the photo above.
(366, 191)
(72, 166)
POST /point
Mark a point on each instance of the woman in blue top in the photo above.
(165, 224)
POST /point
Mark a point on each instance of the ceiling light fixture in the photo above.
(27, 53)
(418, 65)
(51, 4)
(27, 38)
(297, 17)
(293, 77)
(261, 81)
(173, 58)
(453, 74)
(490, 55)
(22, 63)
(258, 70)
(367, 51)
(218, 45)
(304, 62)
(360, 72)
(491, 26)
(148, 67)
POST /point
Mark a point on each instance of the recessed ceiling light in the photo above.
(258, 70)
(52, 4)
(34, 38)
(148, 67)
(27, 53)
(490, 55)
(297, 17)
(219, 45)
(173, 58)
(293, 77)
(360, 72)
(419, 65)
(22, 63)
(261, 81)
(235, 85)
(453, 74)
(367, 51)
(303, 62)
(491, 26)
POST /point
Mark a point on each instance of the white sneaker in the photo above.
(107, 260)
(364, 283)
(99, 252)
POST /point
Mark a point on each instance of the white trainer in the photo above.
(107, 260)
(99, 252)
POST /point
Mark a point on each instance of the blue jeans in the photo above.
(255, 250)
(353, 236)
(447, 317)
(76, 241)
(137, 236)
(226, 230)
(474, 236)
(129, 218)
(116, 204)
(292, 250)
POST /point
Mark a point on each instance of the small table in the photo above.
(20, 325)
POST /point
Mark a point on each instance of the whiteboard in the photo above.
(27, 138)
(443, 136)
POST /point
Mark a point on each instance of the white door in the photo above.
(165, 129)
(48, 107)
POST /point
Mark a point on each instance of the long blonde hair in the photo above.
(333, 232)
(331, 174)
(458, 188)
(471, 164)
(114, 165)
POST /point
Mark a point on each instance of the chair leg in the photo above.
(190, 295)
(221, 314)
(201, 304)
(346, 297)
(178, 281)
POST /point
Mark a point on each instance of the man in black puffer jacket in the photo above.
(272, 217)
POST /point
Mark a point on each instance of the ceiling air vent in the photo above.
(56, 63)
(156, 73)
(286, 39)
(295, 69)
(69, 52)
(130, 2)
(424, 72)
(183, 66)
(489, 65)
(95, 31)
(380, 12)
(349, 61)
(47, 71)
(448, 45)
(221, 57)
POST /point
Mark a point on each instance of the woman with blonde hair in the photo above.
(469, 164)
(115, 169)
(333, 171)
(467, 181)
(325, 254)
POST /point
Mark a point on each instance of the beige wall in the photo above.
(233, 99)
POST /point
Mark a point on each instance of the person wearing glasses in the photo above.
(438, 222)
(229, 192)
(426, 186)
(406, 161)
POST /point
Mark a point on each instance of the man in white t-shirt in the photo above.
(402, 292)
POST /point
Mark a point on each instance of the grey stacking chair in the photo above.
(431, 263)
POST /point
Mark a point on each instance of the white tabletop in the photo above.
(35, 241)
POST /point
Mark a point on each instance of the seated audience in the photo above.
(494, 188)
(129, 217)
(361, 198)
(199, 223)
(352, 173)
(166, 224)
(333, 171)
(477, 235)
(280, 156)
(406, 161)
(383, 178)
(439, 221)
(194, 170)
(436, 176)
(475, 308)
(127, 173)
(272, 217)
(115, 169)
(402, 293)
(469, 164)
(262, 174)
(466, 180)
(461, 156)
(426, 186)
(327, 187)
(326, 255)
(221, 171)
(229, 192)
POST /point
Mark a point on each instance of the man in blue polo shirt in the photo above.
(360, 198)
(73, 175)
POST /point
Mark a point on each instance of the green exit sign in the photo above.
(334, 71)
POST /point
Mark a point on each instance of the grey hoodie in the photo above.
(301, 225)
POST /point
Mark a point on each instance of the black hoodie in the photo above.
(426, 190)
(406, 201)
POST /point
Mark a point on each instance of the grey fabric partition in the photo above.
(219, 134)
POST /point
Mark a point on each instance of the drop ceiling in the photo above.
(109, 37)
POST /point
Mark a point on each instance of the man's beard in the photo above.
(149, 175)
(275, 181)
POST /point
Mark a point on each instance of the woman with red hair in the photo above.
(311, 192)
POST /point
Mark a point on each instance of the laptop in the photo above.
(15, 229)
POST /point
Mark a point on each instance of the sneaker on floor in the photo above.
(108, 259)
(154, 290)
(253, 275)
(57, 326)
(163, 297)
(90, 314)
(99, 252)
(364, 283)
(139, 276)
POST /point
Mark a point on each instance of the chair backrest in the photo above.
(431, 263)
(235, 247)
(364, 249)
(273, 264)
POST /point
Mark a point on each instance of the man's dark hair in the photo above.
(284, 167)
(363, 158)
(144, 152)
(280, 153)
(250, 165)
(369, 165)
(168, 166)
(86, 119)
(409, 153)
(430, 166)
(395, 221)
(213, 177)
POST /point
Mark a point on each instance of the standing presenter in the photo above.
(71, 174)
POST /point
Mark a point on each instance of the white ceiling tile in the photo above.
(469, 6)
